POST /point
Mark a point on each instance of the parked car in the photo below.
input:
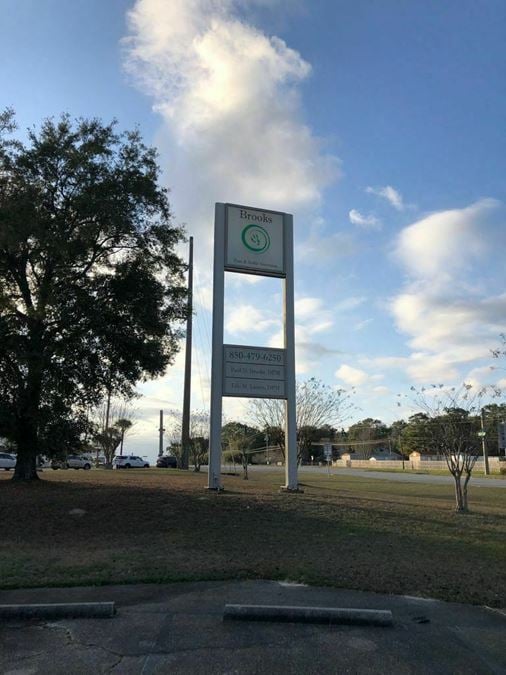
(78, 462)
(167, 462)
(7, 461)
(130, 462)
(72, 462)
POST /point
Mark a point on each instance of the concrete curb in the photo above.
(59, 610)
(329, 615)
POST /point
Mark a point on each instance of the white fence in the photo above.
(415, 464)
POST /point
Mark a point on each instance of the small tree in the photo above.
(174, 435)
(112, 423)
(318, 405)
(397, 430)
(241, 440)
(199, 438)
(369, 434)
(452, 430)
(123, 425)
(174, 449)
(417, 435)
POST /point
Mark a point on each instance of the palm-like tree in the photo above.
(123, 425)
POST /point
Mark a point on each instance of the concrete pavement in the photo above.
(178, 628)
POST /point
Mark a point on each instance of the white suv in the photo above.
(130, 462)
(72, 462)
(78, 462)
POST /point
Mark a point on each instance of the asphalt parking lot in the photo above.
(178, 628)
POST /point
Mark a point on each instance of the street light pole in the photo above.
(266, 439)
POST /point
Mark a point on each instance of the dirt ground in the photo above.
(102, 527)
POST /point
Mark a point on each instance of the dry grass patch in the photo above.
(159, 525)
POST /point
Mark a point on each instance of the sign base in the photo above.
(291, 491)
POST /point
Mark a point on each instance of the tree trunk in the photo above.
(461, 503)
(464, 492)
(26, 434)
(26, 442)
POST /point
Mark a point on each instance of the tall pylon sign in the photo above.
(250, 240)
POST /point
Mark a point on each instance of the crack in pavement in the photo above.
(114, 665)
(71, 639)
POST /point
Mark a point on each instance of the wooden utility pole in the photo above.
(185, 433)
(105, 428)
(160, 435)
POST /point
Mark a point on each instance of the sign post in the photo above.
(327, 452)
(253, 241)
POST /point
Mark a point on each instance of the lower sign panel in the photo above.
(233, 386)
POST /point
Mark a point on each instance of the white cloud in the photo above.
(249, 319)
(313, 314)
(483, 376)
(202, 295)
(446, 241)
(467, 328)
(449, 312)
(308, 308)
(431, 368)
(390, 194)
(381, 390)
(352, 376)
(239, 280)
(229, 96)
(311, 319)
(369, 222)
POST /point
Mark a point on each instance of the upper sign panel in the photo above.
(254, 241)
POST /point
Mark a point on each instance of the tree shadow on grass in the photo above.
(131, 533)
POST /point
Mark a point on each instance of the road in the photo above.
(403, 477)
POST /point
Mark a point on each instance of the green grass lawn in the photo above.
(162, 525)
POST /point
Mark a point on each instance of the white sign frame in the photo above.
(217, 368)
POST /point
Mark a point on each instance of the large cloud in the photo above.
(447, 242)
(228, 94)
(451, 306)
(233, 129)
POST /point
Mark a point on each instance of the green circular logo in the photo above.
(256, 238)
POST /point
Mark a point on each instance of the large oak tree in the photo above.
(91, 289)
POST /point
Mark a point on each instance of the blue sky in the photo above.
(380, 125)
